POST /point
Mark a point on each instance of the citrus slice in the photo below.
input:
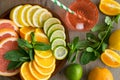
(7, 32)
(44, 71)
(21, 12)
(44, 16)
(36, 16)
(25, 32)
(25, 72)
(48, 23)
(30, 12)
(14, 15)
(60, 52)
(40, 36)
(111, 58)
(55, 27)
(45, 62)
(110, 7)
(57, 42)
(114, 40)
(36, 74)
(4, 23)
(57, 34)
(43, 54)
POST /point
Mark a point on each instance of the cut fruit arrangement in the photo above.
(41, 35)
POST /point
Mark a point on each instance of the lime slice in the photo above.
(14, 15)
(30, 12)
(50, 22)
(55, 27)
(57, 42)
(21, 13)
(57, 34)
(36, 16)
(60, 52)
(44, 16)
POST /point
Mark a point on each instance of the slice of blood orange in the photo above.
(86, 15)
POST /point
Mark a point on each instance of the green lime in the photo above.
(57, 42)
(60, 52)
(55, 27)
(49, 22)
(74, 71)
(57, 34)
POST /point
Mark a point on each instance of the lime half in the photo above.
(57, 34)
(60, 52)
(57, 42)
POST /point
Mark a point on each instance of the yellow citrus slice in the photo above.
(44, 16)
(40, 36)
(43, 54)
(114, 40)
(22, 11)
(36, 15)
(111, 58)
(109, 7)
(14, 15)
(30, 12)
(45, 62)
(25, 72)
(25, 32)
(44, 71)
(36, 74)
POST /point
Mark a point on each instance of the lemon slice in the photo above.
(14, 15)
(55, 27)
(30, 12)
(48, 23)
(21, 13)
(36, 16)
(57, 42)
(57, 34)
(44, 16)
(60, 52)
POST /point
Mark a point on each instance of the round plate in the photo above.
(59, 63)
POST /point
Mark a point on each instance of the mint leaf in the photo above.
(32, 37)
(91, 37)
(98, 27)
(117, 18)
(108, 20)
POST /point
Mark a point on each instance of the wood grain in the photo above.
(6, 4)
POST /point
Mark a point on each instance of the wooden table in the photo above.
(6, 4)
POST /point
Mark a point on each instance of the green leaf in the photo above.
(41, 46)
(24, 43)
(89, 49)
(14, 65)
(31, 54)
(23, 59)
(32, 37)
(91, 37)
(102, 34)
(108, 20)
(117, 18)
(98, 27)
(104, 46)
(14, 55)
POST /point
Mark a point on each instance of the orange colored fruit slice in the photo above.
(45, 62)
(44, 71)
(25, 72)
(109, 7)
(25, 32)
(36, 74)
(110, 58)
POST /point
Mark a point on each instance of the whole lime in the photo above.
(74, 72)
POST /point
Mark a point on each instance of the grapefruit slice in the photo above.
(6, 45)
(4, 23)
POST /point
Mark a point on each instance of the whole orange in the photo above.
(100, 74)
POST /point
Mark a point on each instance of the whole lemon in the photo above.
(100, 74)
(114, 40)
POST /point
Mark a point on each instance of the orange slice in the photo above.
(25, 72)
(44, 71)
(110, 7)
(43, 54)
(45, 62)
(36, 74)
(111, 58)
(25, 32)
(40, 36)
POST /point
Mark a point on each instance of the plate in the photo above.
(59, 63)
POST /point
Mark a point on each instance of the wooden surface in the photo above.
(6, 4)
